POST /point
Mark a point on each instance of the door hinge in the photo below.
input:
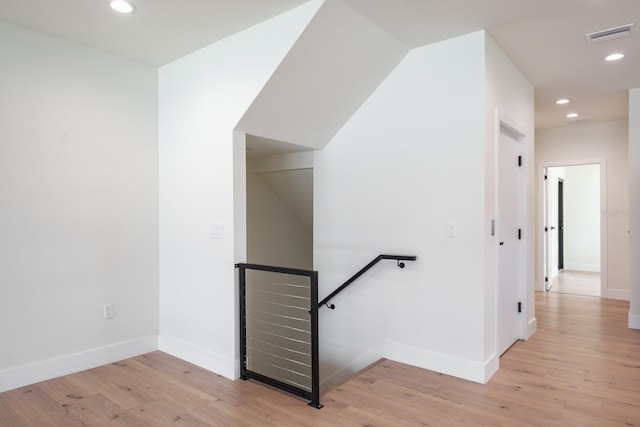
(546, 279)
(519, 160)
(546, 229)
(519, 233)
(545, 177)
(519, 307)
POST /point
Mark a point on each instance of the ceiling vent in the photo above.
(610, 34)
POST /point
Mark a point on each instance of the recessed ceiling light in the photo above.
(563, 101)
(572, 115)
(614, 57)
(122, 6)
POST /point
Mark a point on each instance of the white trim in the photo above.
(634, 321)
(199, 356)
(621, 294)
(21, 376)
(532, 327)
(491, 366)
(594, 268)
(450, 365)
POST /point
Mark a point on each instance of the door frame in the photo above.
(540, 285)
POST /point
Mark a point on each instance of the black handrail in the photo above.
(362, 271)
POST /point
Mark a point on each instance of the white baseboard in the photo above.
(532, 327)
(344, 374)
(634, 321)
(21, 376)
(491, 366)
(595, 268)
(621, 294)
(438, 362)
(199, 356)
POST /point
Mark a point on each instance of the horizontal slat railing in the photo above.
(279, 328)
(367, 267)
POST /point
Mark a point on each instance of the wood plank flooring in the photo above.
(582, 368)
(577, 283)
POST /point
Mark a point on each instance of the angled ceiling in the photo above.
(159, 32)
(545, 38)
(336, 64)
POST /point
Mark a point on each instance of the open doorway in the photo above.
(573, 229)
(279, 203)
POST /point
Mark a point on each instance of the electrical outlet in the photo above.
(108, 311)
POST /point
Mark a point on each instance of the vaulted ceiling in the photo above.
(545, 38)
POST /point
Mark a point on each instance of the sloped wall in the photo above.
(415, 157)
(202, 97)
(333, 67)
(408, 162)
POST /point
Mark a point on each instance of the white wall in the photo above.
(330, 71)
(78, 207)
(582, 218)
(634, 206)
(279, 231)
(202, 97)
(585, 143)
(408, 162)
(510, 101)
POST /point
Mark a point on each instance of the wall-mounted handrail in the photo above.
(362, 271)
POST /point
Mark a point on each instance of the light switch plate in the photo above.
(108, 311)
(451, 229)
(216, 231)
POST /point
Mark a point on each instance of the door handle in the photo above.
(501, 243)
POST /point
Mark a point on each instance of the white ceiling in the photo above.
(545, 38)
(258, 146)
(159, 32)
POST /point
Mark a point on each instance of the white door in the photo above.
(509, 240)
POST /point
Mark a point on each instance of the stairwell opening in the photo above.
(279, 203)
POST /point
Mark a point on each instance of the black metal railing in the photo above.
(377, 259)
(279, 328)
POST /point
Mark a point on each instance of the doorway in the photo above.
(574, 233)
(279, 203)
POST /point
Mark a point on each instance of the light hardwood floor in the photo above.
(582, 368)
(577, 283)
